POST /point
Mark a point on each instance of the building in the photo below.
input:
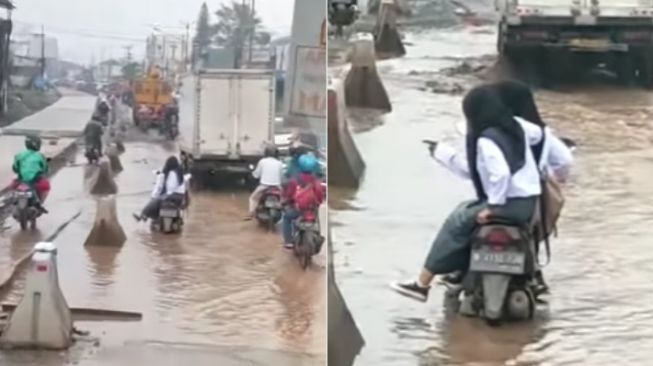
(28, 54)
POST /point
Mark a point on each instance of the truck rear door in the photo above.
(256, 102)
(215, 115)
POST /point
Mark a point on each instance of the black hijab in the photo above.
(487, 116)
(518, 97)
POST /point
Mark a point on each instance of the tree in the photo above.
(237, 25)
(203, 32)
(131, 70)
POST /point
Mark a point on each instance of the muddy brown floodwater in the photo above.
(222, 292)
(599, 310)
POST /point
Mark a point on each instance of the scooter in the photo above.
(269, 210)
(307, 240)
(26, 206)
(92, 154)
(170, 220)
(500, 284)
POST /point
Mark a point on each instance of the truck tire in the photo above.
(626, 68)
(645, 67)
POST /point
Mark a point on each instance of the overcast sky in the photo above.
(100, 29)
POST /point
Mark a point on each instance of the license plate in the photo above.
(168, 213)
(591, 44)
(272, 203)
(486, 260)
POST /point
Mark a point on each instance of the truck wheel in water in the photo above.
(625, 68)
(645, 67)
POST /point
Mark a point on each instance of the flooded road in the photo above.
(223, 287)
(599, 311)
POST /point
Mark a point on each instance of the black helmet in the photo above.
(271, 151)
(103, 108)
(33, 142)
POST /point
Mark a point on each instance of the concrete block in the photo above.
(363, 86)
(387, 41)
(346, 166)
(344, 339)
(42, 318)
(113, 153)
(106, 230)
(102, 182)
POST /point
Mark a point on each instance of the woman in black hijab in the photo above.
(496, 150)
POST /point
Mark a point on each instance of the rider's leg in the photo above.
(254, 198)
(151, 210)
(289, 217)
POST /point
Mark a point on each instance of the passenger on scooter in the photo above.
(170, 185)
(303, 192)
(292, 163)
(268, 171)
(505, 176)
(553, 154)
(31, 168)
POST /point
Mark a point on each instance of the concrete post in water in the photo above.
(363, 86)
(344, 339)
(346, 166)
(102, 182)
(113, 153)
(387, 41)
(42, 319)
(106, 230)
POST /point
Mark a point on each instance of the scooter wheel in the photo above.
(519, 305)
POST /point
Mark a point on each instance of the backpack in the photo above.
(549, 208)
(305, 196)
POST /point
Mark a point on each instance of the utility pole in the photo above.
(43, 52)
(128, 53)
(186, 46)
(252, 31)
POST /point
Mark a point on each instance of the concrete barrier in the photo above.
(106, 230)
(344, 339)
(363, 86)
(102, 182)
(42, 318)
(113, 153)
(346, 166)
(387, 41)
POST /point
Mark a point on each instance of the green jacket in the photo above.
(30, 165)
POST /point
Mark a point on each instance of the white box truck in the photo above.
(226, 120)
(567, 37)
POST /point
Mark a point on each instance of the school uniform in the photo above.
(511, 193)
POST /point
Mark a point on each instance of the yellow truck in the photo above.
(152, 95)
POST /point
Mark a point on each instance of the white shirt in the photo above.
(493, 169)
(269, 171)
(172, 184)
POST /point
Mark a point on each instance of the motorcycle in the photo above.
(342, 13)
(25, 210)
(170, 220)
(501, 283)
(307, 239)
(92, 154)
(269, 210)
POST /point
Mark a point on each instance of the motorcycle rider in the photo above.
(268, 171)
(303, 192)
(31, 168)
(293, 169)
(505, 176)
(170, 185)
(94, 130)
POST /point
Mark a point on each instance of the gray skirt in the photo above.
(450, 249)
